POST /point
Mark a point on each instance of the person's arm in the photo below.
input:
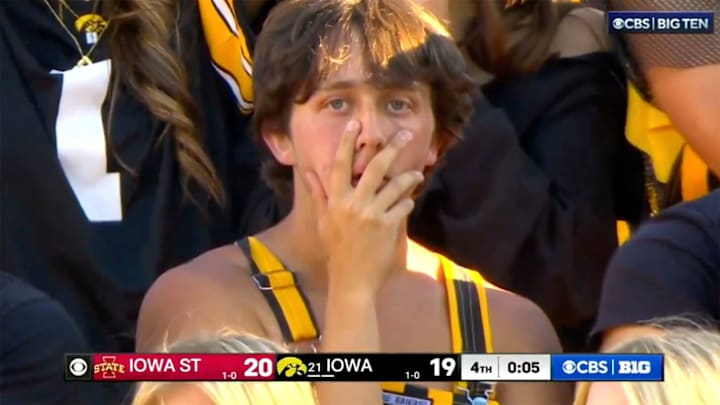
(181, 304)
(35, 334)
(536, 217)
(362, 232)
(683, 74)
(668, 269)
(689, 97)
(351, 326)
(519, 326)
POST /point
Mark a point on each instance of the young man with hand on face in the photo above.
(356, 101)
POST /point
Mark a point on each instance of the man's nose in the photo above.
(373, 134)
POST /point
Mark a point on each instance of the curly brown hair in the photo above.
(402, 43)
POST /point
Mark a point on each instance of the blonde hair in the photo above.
(691, 369)
(230, 393)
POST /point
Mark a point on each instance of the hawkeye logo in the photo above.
(109, 368)
(291, 367)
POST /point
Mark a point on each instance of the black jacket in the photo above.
(530, 197)
(100, 270)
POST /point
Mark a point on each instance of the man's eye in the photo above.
(337, 104)
(398, 105)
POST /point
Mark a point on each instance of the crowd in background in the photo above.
(144, 174)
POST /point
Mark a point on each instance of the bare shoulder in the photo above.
(581, 31)
(519, 325)
(207, 294)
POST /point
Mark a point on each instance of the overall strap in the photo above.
(469, 318)
(279, 287)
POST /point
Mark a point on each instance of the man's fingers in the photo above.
(400, 210)
(316, 190)
(378, 167)
(389, 195)
(341, 172)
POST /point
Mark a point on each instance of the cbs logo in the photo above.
(584, 366)
(77, 367)
(635, 23)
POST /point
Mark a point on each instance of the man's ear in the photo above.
(438, 146)
(280, 145)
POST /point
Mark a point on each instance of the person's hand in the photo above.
(360, 226)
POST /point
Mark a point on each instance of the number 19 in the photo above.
(447, 364)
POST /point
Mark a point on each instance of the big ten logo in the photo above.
(668, 23)
(634, 367)
(291, 367)
(109, 368)
(585, 367)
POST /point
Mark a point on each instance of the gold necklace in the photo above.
(92, 23)
(84, 57)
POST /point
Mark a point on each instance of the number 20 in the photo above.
(258, 367)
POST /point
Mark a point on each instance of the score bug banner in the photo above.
(379, 367)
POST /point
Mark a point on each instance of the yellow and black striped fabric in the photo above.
(677, 172)
(227, 41)
(468, 313)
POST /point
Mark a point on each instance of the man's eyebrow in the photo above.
(346, 84)
(341, 85)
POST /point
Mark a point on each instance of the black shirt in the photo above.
(670, 267)
(36, 332)
(531, 195)
(100, 270)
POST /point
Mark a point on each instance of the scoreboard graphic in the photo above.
(363, 367)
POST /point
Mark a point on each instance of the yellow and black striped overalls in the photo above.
(467, 303)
